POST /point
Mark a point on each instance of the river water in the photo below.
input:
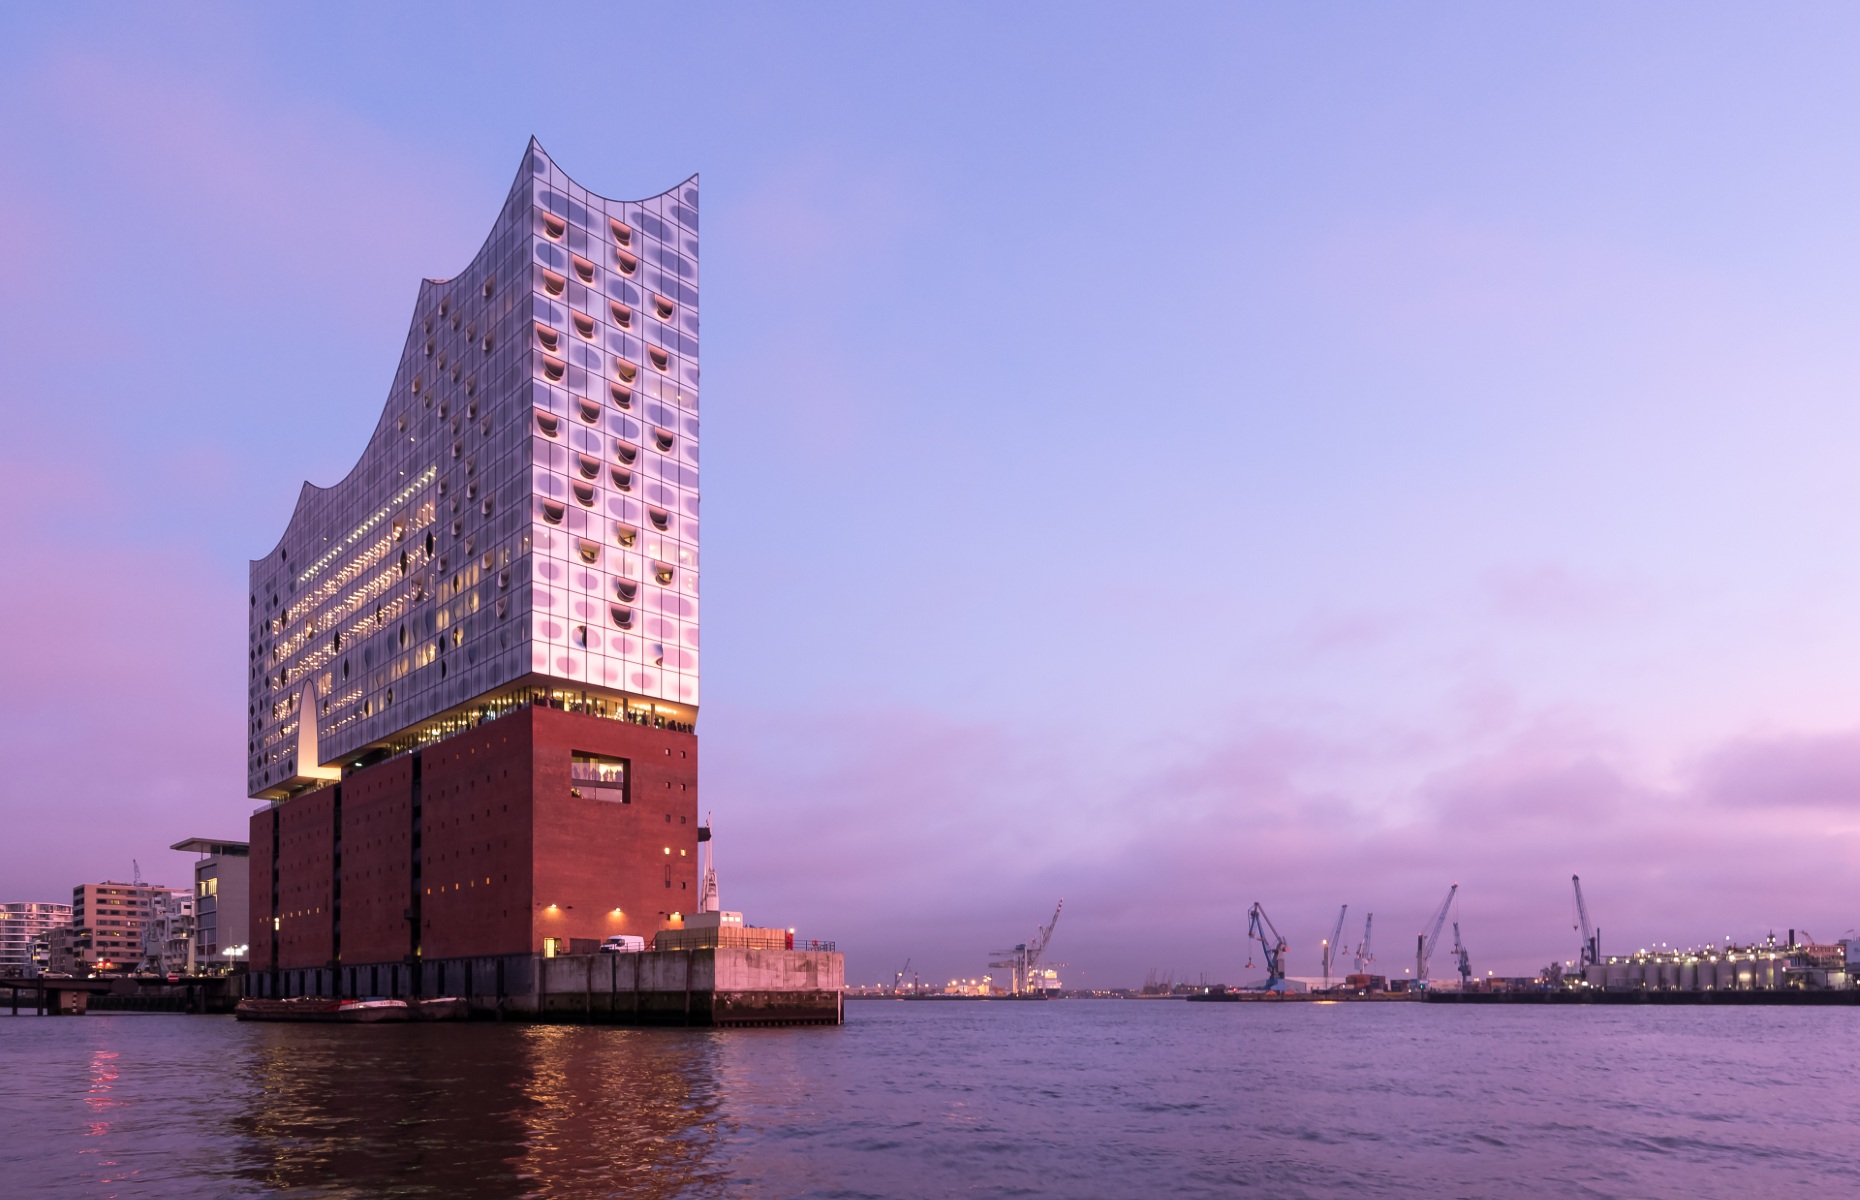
(1065, 1098)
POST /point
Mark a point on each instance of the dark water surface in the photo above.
(1069, 1098)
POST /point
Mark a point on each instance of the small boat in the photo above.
(321, 1008)
(441, 1008)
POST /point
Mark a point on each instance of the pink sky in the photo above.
(1221, 459)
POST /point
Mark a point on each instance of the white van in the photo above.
(624, 943)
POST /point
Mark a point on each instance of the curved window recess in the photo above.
(665, 308)
(458, 527)
(661, 520)
(584, 325)
(552, 512)
(471, 412)
(456, 371)
(590, 552)
(403, 637)
(490, 285)
(486, 344)
(503, 609)
(626, 452)
(622, 397)
(429, 347)
(485, 508)
(428, 402)
(626, 370)
(553, 283)
(623, 316)
(445, 306)
(626, 535)
(623, 479)
(401, 424)
(585, 494)
(623, 233)
(583, 268)
(663, 438)
(455, 322)
(554, 227)
(458, 448)
(622, 616)
(503, 579)
(660, 359)
(549, 338)
(590, 411)
(664, 572)
(581, 635)
(590, 467)
(443, 410)
(554, 369)
(628, 264)
(429, 545)
(416, 385)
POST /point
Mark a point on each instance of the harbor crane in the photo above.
(1365, 957)
(1259, 928)
(1025, 959)
(1459, 955)
(1424, 942)
(1330, 947)
(897, 981)
(1591, 938)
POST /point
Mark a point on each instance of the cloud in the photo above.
(1784, 772)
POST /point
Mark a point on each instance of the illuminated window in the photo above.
(625, 535)
(664, 572)
(625, 370)
(590, 552)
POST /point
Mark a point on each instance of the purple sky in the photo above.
(1306, 454)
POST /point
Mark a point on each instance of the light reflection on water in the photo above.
(1060, 1099)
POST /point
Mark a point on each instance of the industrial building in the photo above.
(474, 660)
(1771, 965)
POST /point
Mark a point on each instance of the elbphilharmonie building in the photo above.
(474, 659)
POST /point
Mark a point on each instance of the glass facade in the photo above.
(526, 513)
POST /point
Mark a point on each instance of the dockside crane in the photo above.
(1330, 947)
(1025, 959)
(1591, 938)
(1459, 954)
(1365, 957)
(1424, 942)
(897, 982)
(1259, 928)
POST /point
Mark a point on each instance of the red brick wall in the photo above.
(595, 856)
(377, 862)
(476, 869)
(306, 867)
(258, 898)
(503, 840)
